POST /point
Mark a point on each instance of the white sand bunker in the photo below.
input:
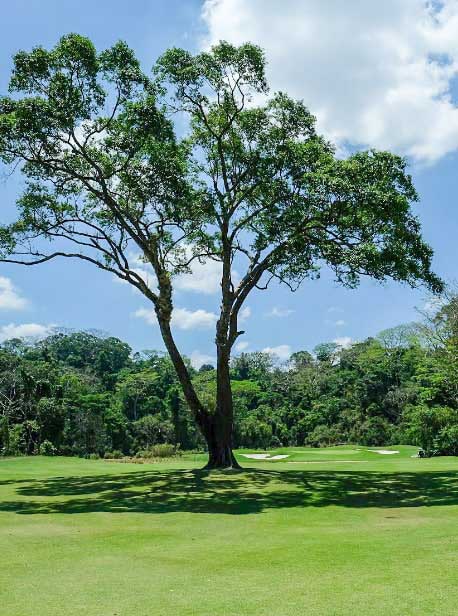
(385, 452)
(264, 456)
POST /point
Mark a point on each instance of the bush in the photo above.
(15, 443)
(373, 432)
(324, 436)
(152, 430)
(47, 448)
(275, 442)
(255, 433)
(163, 450)
(113, 455)
(434, 429)
(93, 456)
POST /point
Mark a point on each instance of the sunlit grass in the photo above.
(333, 531)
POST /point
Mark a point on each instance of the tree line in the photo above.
(86, 394)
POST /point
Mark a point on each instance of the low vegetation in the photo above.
(85, 395)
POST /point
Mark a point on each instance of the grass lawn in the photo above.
(323, 532)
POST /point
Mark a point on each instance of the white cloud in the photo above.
(147, 314)
(197, 319)
(245, 313)
(374, 73)
(142, 269)
(241, 346)
(279, 312)
(25, 330)
(10, 298)
(282, 351)
(181, 318)
(198, 359)
(334, 309)
(344, 341)
(204, 278)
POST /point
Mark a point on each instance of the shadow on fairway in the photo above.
(237, 493)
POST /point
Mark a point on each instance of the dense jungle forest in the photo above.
(88, 394)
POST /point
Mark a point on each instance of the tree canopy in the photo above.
(399, 387)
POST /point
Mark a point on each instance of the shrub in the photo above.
(47, 448)
(255, 433)
(324, 436)
(114, 455)
(434, 429)
(152, 430)
(373, 432)
(163, 450)
(275, 442)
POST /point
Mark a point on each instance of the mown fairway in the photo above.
(328, 532)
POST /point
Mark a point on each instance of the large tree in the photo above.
(251, 186)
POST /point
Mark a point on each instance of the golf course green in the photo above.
(337, 531)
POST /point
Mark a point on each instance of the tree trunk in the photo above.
(219, 429)
(220, 454)
(216, 427)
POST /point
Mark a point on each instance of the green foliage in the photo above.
(151, 430)
(114, 455)
(47, 449)
(162, 450)
(398, 387)
(108, 181)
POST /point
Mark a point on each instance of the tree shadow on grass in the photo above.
(236, 493)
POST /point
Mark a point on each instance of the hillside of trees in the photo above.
(84, 394)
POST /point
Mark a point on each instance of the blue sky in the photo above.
(386, 95)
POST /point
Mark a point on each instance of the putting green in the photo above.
(277, 539)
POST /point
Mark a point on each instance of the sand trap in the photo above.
(327, 461)
(263, 456)
(385, 452)
(255, 456)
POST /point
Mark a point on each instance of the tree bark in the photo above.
(220, 454)
(216, 427)
(219, 430)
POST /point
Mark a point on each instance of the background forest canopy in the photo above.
(89, 395)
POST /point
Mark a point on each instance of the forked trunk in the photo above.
(216, 427)
(219, 442)
(219, 428)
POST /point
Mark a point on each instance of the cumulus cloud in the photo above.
(25, 330)
(241, 346)
(281, 352)
(147, 315)
(10, 298)
(338, 323)
(198, 359)
(204, 278)
(189, 319)
(182, 318)
(343, 341)
(245, 313)
(281, 313)
(375, 74)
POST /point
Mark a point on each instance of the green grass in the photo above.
(325, 532)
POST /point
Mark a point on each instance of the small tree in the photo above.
(251, 185)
